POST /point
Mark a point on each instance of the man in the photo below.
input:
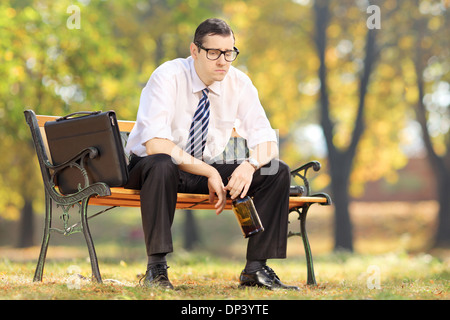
(186, 115)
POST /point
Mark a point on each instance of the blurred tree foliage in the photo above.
(51, 66)
(308, 59)
(323, 62)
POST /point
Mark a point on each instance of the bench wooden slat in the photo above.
(124, 125)
(131, 198)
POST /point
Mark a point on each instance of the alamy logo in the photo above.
(74, 20)
(74, 280)
(373, 280)
(374, 20)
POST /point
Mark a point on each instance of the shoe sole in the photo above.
(253, 284)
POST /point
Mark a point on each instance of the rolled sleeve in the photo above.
(155, 113)
(154, 117)
(253, 123)
(261, 136)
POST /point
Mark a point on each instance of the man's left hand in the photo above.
(240, 180)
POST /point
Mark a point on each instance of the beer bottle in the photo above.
(246, 214)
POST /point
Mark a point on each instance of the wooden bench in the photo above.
(100, 194)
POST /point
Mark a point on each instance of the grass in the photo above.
(199, 277)
(391, 261)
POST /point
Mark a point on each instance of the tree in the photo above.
(341, 161)
(327, 60)
(430, 59)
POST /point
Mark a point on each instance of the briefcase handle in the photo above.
(79, 113)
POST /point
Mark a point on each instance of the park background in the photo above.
(362, 86)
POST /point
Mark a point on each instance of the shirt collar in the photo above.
(198, 85)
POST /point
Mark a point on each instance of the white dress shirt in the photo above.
(170, 98)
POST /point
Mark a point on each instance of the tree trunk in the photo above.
(26, 225)
(343, 230)
(341, 161)
(443, 230)
(440, 165)
(191, 237)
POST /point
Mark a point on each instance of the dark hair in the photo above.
(212, 27)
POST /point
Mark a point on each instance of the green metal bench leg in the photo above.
(311, 280)
(45, 240)
(90, 243)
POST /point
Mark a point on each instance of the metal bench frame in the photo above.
(101, 194)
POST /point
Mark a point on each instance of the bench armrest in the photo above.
(77, 161)
(91, 152)
(302, 171)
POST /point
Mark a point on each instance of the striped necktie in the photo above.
(199, 127)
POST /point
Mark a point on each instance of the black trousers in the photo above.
(160, 179)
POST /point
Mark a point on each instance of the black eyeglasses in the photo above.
(214, 54)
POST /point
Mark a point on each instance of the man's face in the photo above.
(210, 71)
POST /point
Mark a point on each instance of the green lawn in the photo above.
(392, 260)
(339, 276)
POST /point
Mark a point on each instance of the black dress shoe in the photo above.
(276, 280)
(265, 278)
(256, 279)
(156, 276)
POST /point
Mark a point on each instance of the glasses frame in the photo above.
(221, 52)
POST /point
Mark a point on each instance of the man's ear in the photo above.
(194, 50)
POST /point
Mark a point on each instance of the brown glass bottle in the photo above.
(248, 218)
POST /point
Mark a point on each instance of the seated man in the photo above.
(186, 115)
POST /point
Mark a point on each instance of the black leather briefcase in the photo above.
(69, 135)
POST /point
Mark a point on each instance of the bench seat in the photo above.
(122, 197)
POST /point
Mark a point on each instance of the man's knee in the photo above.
(160, 165)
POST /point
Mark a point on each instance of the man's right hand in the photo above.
(216, 188)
